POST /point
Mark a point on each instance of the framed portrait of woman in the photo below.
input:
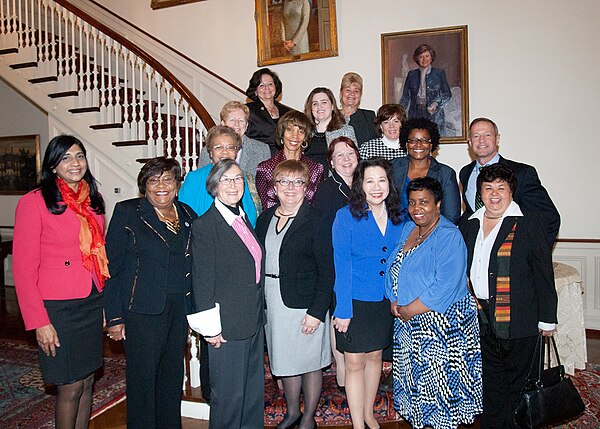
(295, 30)
(426, 71)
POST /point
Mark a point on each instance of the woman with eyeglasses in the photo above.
(293, 132)
(298, 286)
(222, 142)
(420, 138)
(149, 293)
(228, 287)
(364, 234)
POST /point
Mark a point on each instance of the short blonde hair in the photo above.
(234, 105)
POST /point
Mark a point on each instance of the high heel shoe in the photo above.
(292, 424)
(369, 427)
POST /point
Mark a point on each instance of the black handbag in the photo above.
(549, 397)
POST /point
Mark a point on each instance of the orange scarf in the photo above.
(91, 238)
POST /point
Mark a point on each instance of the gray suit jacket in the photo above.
(253, 153)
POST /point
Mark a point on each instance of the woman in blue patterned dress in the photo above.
(437, 358)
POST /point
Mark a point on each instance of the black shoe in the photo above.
(292, 424)
(369, 427)
(388, 384)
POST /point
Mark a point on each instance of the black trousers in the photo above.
(154, 352)
(506, 365)
(237, 382)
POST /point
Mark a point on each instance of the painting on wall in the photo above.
(295, 30)
(426, 71)
(19, 164)
(159, 4)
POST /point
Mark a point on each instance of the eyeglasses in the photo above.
(229, 148)
(421, 140)
(229, 180)
(154, 181)
(351, 154)
(295, 182)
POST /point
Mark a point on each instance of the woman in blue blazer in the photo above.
(420, 138)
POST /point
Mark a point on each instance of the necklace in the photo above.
(378, 216)
(491, 217)
(421, 236)
(286, 215)
(172, 225)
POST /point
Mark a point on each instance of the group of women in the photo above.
(348, 255)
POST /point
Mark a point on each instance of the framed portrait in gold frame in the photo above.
(159, 4)
(295, 30)
(426, 71)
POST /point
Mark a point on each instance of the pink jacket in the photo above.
(47, 261)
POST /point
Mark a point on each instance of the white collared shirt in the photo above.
(481, 256)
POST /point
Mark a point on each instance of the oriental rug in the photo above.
(25, 403)
(333, 408)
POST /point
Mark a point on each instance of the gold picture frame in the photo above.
(311, 26)
(401, 76)
(19, 164)
(160, 4)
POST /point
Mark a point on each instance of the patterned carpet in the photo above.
(24, 403)
(333, 408)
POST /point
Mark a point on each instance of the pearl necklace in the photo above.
(378, 216)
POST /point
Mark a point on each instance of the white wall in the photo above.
(18, 117)
(533, 69)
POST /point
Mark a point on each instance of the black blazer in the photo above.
(533, 294)
(305, 261)
(332, 194)
(363, 122)
(261, 126)
(530, 195)
(138, 257)
(224, 272)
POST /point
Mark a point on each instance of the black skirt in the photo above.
(370, 328)
(78, 324)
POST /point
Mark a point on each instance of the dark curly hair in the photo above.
(156, 167)
(57, 148)
(420, 124)
(358, 199)
(497, 172)
(255, 81)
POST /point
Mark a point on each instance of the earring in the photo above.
(54, 171)
(304, 145)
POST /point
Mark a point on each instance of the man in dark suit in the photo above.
(530, 194)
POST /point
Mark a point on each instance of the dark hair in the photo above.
(358, 199)
(497, 172)
(337, 119)
(255, 82)
(388, 111)
(341, 139)
(426, 184)
(299, 119)
(482, 119)
(156, 167)
(215, 174)
(55, 151)
(423, 48)
(420, 124)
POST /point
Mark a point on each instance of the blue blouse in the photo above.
(360, 254)
(436, 272)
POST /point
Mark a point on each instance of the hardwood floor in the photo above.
(11, 327)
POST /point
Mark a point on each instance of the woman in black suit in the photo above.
(149, 293)
(228, 285)
(333, 194)
(299, 285)
(264, 88)
(510, 271)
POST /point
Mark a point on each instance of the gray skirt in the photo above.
(290, 351)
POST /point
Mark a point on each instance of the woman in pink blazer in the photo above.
(59, 266)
